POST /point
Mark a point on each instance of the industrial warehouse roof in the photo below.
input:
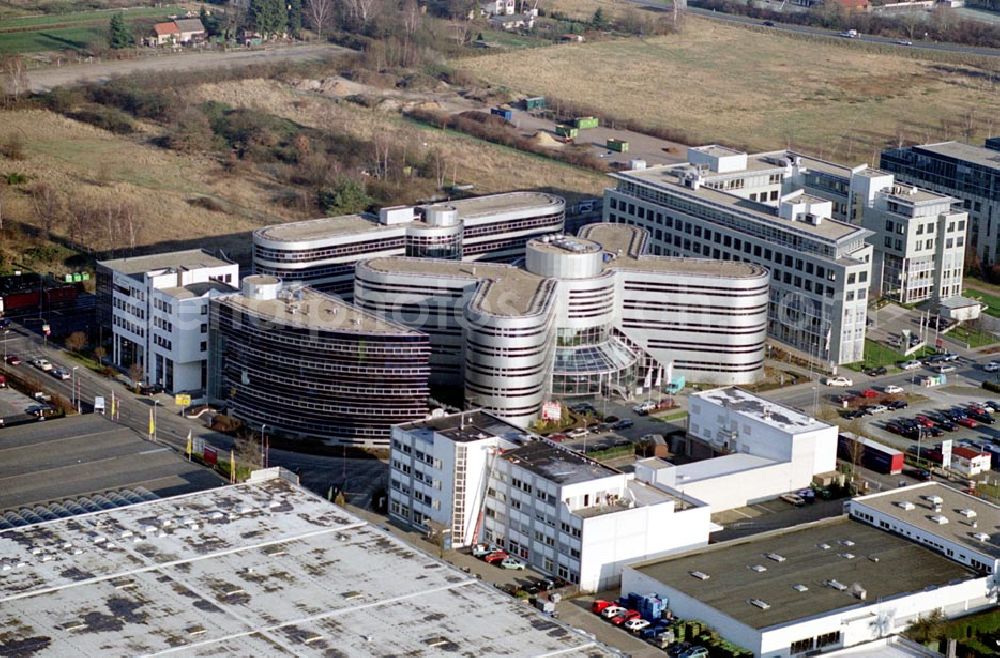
(191, 259)
(199, 289)
(310, 309)
(471, 210)
(558, 464)
(737, 400)
(955, 506)
(774, 567)
(259, 569)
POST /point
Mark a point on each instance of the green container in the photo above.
(534, 103)
(77, 277)
(585, 122)
(617, 145)
(85, 276)
(567, 131)
(68, 278)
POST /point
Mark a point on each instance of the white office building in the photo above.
(724, 204)
(964, 528)
(584, 316)
(562, 513)
(812, 589)
(157, 306)
(763, 450)
(323, 252)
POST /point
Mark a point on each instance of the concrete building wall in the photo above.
(726, 491)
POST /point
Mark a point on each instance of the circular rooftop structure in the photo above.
(564, 257)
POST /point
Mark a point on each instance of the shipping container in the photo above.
(869, 454)
(618, 145)
(506, 115)
(584, 123)
(534, 103)
(567, 131)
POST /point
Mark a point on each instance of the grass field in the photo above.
(992, 301)
(90, 166)
(973, 337)
(720, 83)
(69, 31)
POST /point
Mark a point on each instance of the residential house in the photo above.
(190, 30)
(970, 462)
(164, 33)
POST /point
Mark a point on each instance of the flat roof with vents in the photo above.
(940, 510)
(745, 403)
(197, 575)
(799, 586)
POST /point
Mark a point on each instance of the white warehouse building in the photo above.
(813, 588)
(157, 306)
(585, 316)
(765, 449)
(562, 513)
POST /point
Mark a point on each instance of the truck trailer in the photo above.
(870, 454)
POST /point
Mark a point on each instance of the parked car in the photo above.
(42, 364)
(853, 414)
(600, 605)
(496, 556)
(966, 422)
(677, 649)
(621, 619)
(793, 499)
(892, 389)
(695, 652)
(875, 409)
(622, 424)
(59, 373)
(992, 366)
(644, 408)
(990, 407)
(512, 563)
(13, 360)
(838, 381)
(558, 437)
(578, 433)
(876, 372)
(932, 431)
(985, 419)
(635, 625)
(924, 421)
(897, 404)
(150, 389)
(903, 42)
(869, 393)
(768, 23)
(943, 422)
(943, 368)
(613, 611)
(909, 365)
(482, 550)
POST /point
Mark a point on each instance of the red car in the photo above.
(621, 619)
(14, 360)
(925, 421)
(966, 422)
(975, 408)
(498, 556)
(870, 393)
(599, 605)
(558, 437)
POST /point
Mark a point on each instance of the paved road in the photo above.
(44, 79)
(359, 478)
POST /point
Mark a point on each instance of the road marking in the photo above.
(149, 452)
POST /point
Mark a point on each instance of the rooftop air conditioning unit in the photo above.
(836, 584)
(968, 513)
(940, 519)
(763, 605)
(905, 504)
(981, 536)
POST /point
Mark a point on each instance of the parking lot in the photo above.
(13, 403)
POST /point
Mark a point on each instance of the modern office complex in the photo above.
(813, 588)
(584, 316)
(302, 364)
(323, 252)
(157, 309)
(724, 204)
(760, 450)
(481, 479)
(966, 172)
(263, 568)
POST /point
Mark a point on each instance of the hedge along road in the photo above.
(47, 78)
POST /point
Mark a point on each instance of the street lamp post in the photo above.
(75, 397)
(263, 445)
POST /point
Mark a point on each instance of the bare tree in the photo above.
(361, 11)
(411, 17)
(136, 373)
(48, 205)
(319, 13)
(76, 341)
(15, 75)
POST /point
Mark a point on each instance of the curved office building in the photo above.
(584, 316)
(310, 366)
(322, 252)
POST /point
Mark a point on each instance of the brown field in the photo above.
(489, 167)
(718, 83)
(91, 166)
